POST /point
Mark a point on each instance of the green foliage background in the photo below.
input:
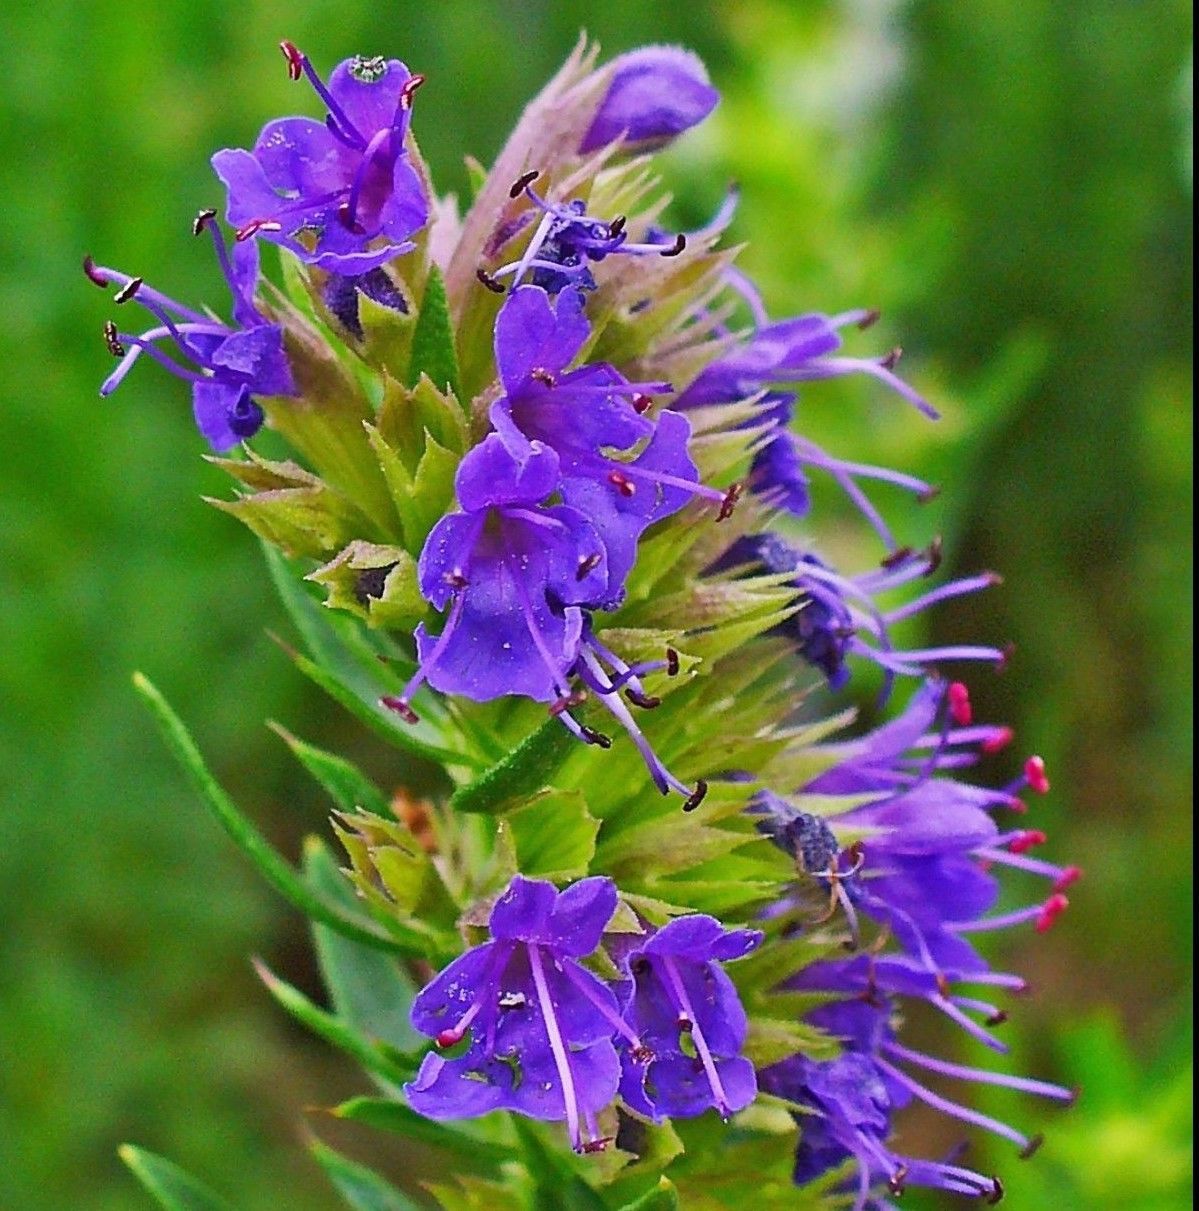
(1010, 182)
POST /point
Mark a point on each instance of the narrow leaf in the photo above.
(384, 1062)
(663, 1197)
(433, 341)
(385, 1114)
(370, 991)
(362, 1188)
(553, 837)
(278, 872)
(172, 1187)
(348, 787)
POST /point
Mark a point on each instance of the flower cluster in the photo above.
(550, 1040)
(539, 450)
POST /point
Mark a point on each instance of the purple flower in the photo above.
(920, 863)
(566, 242)
(233, 362)
(685, 1010)
(539, 1025)
(656, 93)
(839, 617)
(347, 179)
(585, 415)
(853, 1097)
(512, 574)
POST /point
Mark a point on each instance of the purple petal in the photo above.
(680, 1087)
(406, 209)
(250, 195)
(491, 475)
(244, 263)
(256, 356)
(522, 913)
(213, 404)
(300, 158)
(447, 1089)
(442, 1002)
(580, 915)
(370, 104)
(656, 94)
(531, 335)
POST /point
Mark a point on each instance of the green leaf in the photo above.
(279, 873)
(556, 1184)
(370, 991)
(470, 1151)
(663, 1197)
(348, 787)
(385, 1062)
(553, 837)
(362, 1188)
(433, 341)
(524, 772)
(174, 1189)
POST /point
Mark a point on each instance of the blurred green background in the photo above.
(1009, 181)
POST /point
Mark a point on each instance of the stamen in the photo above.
(1050, 911)
(557, 1046)
(202, 220)
(672, 663)
(127, 291)
(490, 282)
(646, 702)
(621, 483)
(1034, 772)
(587, 565)
(540, 375)
(253, 227)
(522, 182)
(679, 994)
(93, 274)
(295, 60)
(959, 703)
(696, 797)
(729, 502)
(410, 89)
(110, 339)
(680, 242)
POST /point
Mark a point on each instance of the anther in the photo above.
(447, 1038)
(897, 1182)
(929, 493)
(202, 219)
(1032, 1146)
(253, 227)
(523, 182)
(566, 703)
(869, 319)
(409, 91)
(696, 797)
(587, 565)
(933, 555)
(1051, 910)
(1000, 740)
(892, 359)
(642, 1054)
(959, 704)
(729, 503)
(997, 1192)
(622, 483)
(899, 556)
(1069, 876)
(599, 1145)
(1034, 771)
(1022, 843)
(942, 983)
(93, 274)
(680, 242)
(997, 1018)
(672, 663)
(490, 282)
(127, 291)
(642, 403)
(455, 580)
(539, 375)
(591, 736)
(646, 702)
(294, 57)
(400, 707)
(110, 339)
(616, 227)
